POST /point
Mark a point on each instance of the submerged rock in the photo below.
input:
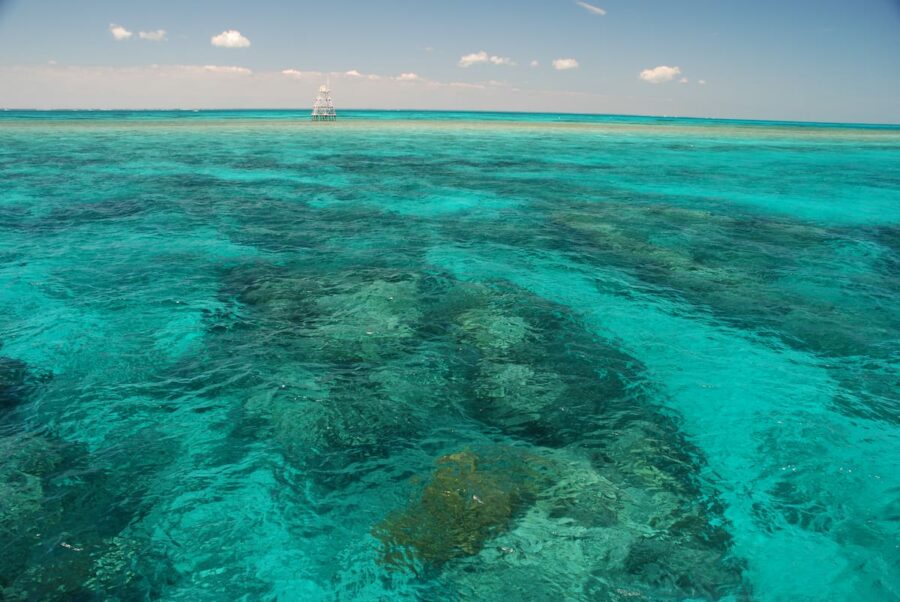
(470, 498)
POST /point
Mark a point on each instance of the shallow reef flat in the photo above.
(392, 121)
(417, 356)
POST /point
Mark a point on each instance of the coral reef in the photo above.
(519, 366)
(736, 268)
(492, 330)
(16, 381)
(328, 340)
(516, 393)
(326, 424)
(582, 539)
(368, 322)
(61, 519)
(12, 381)
(516, 383)
(470, 498)
(27, 459)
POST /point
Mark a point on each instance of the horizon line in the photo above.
(476, 111)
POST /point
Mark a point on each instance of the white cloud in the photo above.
(535, 63)
(371, 76)
(683, 80)
(702, 82)
(473, 59)
(352, 74)
(227, 70)
(223, 84)
(595, 10)
(660, 74)
(466, 85)
(565, 64)
(230, 39)
(217, 86)
(482, 57)
(119, 32)
(408, 77)
(153, 36)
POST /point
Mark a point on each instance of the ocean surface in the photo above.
(447, 356)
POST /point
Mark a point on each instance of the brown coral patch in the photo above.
(470, 498)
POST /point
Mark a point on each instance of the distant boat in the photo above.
(323, 109)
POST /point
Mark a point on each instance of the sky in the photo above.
(811, 60)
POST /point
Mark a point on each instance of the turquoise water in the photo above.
(447, 357)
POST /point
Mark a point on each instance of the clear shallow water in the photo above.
(604, 358)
